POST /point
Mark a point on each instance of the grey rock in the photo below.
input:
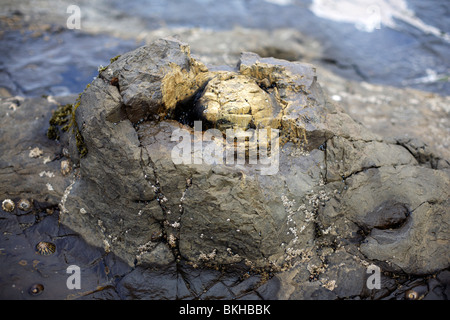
(342, 197)
(400, 208)
(152, 79)
(148, 285)
(221, 203)
(29, 161)
(362, 155)
(332, 172)
(417, 246)
(217, 292)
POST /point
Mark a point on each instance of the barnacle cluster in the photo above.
(8, 205)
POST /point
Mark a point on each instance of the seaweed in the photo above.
(114, 59)
(102, 68)
(59, 117)
(64, 117)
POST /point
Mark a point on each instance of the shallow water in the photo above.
(396, 42)
(102, 275)
(54, 63)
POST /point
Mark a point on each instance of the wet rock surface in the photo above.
(41, 56)
(343, 198)
(370, 209)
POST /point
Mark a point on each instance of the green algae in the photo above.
(64, 119)
(102, 68)
(60, 117)
(114, 59)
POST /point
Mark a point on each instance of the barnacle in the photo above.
(65, 167)
(411, 295)
(8, 205)
(24, 204)
(36, 289)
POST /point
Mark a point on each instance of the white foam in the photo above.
(369, 15)
(281, 2)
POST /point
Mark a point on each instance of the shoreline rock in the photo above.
(343, 197)
(232, 214)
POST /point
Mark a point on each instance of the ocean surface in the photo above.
(404, 43)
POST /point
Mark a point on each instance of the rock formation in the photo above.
(341, 197)
(337, 183)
